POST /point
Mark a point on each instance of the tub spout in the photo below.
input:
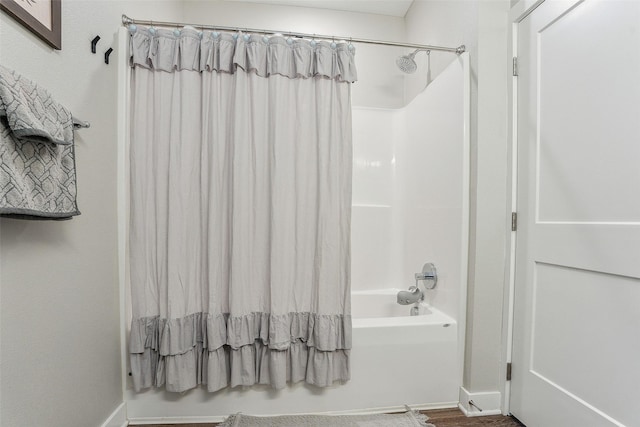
(412, 296)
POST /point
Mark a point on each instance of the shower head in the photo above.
(407, 64)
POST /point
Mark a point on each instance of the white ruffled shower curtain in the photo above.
(240, 210)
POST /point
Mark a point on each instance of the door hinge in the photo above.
(515, 66)
(514, 221)
(509, 371)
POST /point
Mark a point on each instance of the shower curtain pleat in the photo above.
(239, 212)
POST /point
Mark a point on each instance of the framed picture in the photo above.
(41, 17)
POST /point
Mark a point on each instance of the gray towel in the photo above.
(37, 157)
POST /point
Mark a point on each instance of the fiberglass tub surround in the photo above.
(408, 182)
(408, 209)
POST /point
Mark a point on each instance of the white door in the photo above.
(576, 354)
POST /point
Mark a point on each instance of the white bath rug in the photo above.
(407, 419)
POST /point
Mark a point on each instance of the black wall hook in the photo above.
(106, 55)
(94, 42)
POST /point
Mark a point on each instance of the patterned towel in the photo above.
(37, 157)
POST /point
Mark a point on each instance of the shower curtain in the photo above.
(240, 170)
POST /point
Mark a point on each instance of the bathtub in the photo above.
(396, 360)
(400, 359)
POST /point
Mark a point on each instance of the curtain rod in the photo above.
(128, 21)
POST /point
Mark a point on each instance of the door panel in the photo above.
(566, 349)
(584, 97)
(576, 354)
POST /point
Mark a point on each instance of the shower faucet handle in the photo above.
(425, 276)
(430, 273)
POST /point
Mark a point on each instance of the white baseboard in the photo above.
(177, 420)
(118, 418)
(486, 403)
(219, 419)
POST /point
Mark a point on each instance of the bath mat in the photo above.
(407, 419)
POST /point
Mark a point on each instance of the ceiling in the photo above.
(379, 7)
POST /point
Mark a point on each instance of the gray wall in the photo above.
(59, 307)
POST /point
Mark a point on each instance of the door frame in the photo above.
(516, 15)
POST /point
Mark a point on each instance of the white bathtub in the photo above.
(401, 359)
(396, 359)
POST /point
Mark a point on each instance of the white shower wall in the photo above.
(409, 192)
(375, 242)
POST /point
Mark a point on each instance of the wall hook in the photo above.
(94, 42)
(106, 55)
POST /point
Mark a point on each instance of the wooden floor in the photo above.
(437, 417)
(455, 418)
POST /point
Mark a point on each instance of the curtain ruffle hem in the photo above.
(222, 350)
(168, 50)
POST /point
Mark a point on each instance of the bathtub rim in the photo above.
(434, 317)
